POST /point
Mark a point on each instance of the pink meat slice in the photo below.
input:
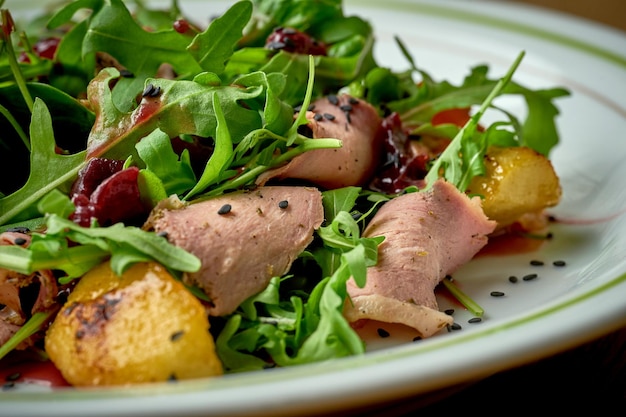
(356, 123)
(12, 315)
(428, 235)
(243, 239)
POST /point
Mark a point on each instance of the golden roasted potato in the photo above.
(518, 181)
(144, 326)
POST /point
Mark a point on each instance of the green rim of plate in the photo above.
(393, 354)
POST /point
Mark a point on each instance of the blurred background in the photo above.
(609, 12)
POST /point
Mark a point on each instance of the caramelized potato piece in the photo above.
(518, 181)
(144, 326)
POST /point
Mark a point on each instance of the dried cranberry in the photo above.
(107, 192)
(181, 26)
(96, 171)
(47, 47)
(295, 41)
(401, 166)
(117, 198)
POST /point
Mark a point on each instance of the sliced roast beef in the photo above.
(356, 123)
(428, 235)
(243, 239)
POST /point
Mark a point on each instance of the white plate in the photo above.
(562, 308)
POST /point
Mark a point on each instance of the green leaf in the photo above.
(182, 107)
(113, 30)
(56, 202)
(58, 168)
(463, 157)
(222, 154)
(341, 199)
(176, 174)
(119, 239)
(213, 48)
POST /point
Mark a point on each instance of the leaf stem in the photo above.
(7, 28)
(32, 326)
(463, 298)
(254, 172)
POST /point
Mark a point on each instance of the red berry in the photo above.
(294, 41)
(47, 47)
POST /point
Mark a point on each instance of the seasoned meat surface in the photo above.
(356, 123)
(428, 235)
(243, 239)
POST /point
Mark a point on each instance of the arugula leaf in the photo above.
(58, 168)
(113, 30)
(213, 47)
(222, 154)
(156, 151)
(182, 107)
(463, 157)
(124, 245)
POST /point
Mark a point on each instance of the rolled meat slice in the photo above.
(428, 235)
(243, 239)
(356, 123)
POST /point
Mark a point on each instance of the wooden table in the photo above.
(608, 12)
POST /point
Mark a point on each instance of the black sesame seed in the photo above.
(148, 90)
(353, 101)
(475, 320)
(497, 294)
(455, 326)
(126, 74)
(333, 99)
(155, 92)
(549, 236)
(558, 263)
(536, 262)
(19, 241)
(225, 209)
(172, 378)
(311, 107)
(449, 311)
(283, 204)
(346, 107)
(177, 335)
(8, 386)
(529, 277)
(318, 117)
(382, 332)
(417, 338)
(329, 116)
(513, 279)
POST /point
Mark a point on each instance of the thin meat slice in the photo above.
(38, 291)
(243, 239)
(428, 235)
(356, 123)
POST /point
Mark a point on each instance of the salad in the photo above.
(261, 176)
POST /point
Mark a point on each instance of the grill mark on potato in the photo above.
(93, 316)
